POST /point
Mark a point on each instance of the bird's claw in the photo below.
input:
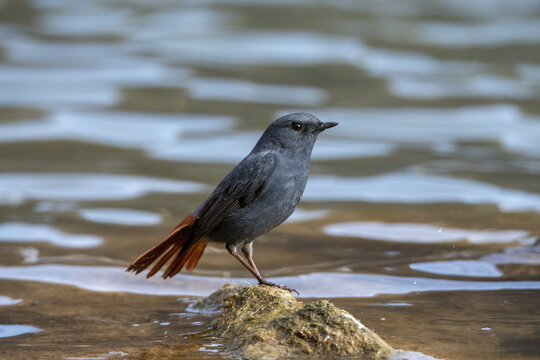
(283, 287)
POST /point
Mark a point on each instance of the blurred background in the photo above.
(420, 217)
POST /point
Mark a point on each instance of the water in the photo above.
(421, 216)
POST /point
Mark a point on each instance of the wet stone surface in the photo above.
(262, 321)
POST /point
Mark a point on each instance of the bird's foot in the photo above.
(283, 287)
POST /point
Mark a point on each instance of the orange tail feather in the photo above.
(196, 256)
(169, 247)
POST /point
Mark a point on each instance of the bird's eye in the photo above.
(296, 126)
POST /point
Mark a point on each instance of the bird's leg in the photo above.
(247, 249)
(255, 272)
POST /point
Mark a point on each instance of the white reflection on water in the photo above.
(120, 216)
(30, 255)
(15, 330)
(474, 268)
(310, 285)
(425, 233)
(75, 74)
(24, 232)
(412, 355)
(158, 134)
(394, 63)
(98, 18)
(529, 72)
(246, 91)
(439, 128)
(454, 34)
(486, 266)
(127, 72)
(80, 187)
(242, 48)
(295, 48)
(410, 74)
(495, 32)
(483, 86)
(304, 215)
(405, 8)
(5, 301)
(91, 22)
(49, 95)
(415, 188)
(24, 50)
(515, 255)
(392, 304)
(180, 21)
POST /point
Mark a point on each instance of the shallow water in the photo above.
(421, 216)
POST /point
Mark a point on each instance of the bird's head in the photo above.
(295, 132)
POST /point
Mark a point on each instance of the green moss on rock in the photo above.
(216, 301)
(267, 322)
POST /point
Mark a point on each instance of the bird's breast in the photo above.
(282, 192)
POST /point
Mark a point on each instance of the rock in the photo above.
(216, 300)
(267, 322)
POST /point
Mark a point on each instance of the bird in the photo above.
(258, 194)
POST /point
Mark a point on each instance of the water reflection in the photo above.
(304, 215)
(95, 21)
(16, 330)
(482, 86)
(418, 188)
(156, 133)
(482, 34)
(245, 91)
(440, 129)
(19, 187)
(313, 285)
(6, 301)
(459, 268)
(24, 232)
(413, 355)
(121, 216)
(529, 255)
(425, 233)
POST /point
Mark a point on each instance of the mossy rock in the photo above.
(267, 322)
(215, 302)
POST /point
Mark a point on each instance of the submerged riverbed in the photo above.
(421, 216)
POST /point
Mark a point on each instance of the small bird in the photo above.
(260, 193)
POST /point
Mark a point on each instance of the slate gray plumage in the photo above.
(260, 193)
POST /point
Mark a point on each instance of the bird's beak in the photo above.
(326, 125)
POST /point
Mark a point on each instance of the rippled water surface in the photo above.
(421, 216)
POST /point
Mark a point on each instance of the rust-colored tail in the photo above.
(172, 246)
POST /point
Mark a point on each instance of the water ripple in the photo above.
(473, 268)
(6, 301)
(19, 187)
(121, 216)
(417, 188)
(309, 285)
(441, 129)
(425, 233)
(16, 330)
(24, 232)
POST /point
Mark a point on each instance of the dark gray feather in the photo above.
(243, 185)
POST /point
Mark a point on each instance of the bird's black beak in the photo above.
(326, 125)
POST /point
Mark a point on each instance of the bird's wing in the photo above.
(243, 185)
